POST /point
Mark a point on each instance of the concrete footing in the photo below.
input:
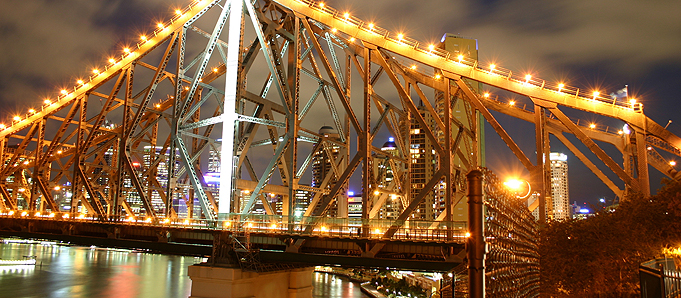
(211, 282)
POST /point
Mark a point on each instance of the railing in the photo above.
(660, 278)
(277, 224)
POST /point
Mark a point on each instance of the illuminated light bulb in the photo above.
(11, 212)
(321, 4)
(95, 71)
(672, 163)
(527, 78)
(215, 69)
(592, 126)
(186, 88)
(65, 215)
(352, 39)
(346, 15)
(63, 91)
(166, 221)
(51, 214)
(437, 76)
(273, 226)
(148, 219)
(160, 25)
(376, 192)
(80, 82)
(144, 38)
(334, 30)
(2, 126)
(178, 12)
(400, 36)
(126, 50)
(250, 225)
(431, 47)
(486, 94)
(620, 132)
(468, 234)
(37, 214)
(31, 111)
(560, 86)
(112, 60)
(26, 162)
(511, 102)
(377, 231)
(596, 93)
(21, 190)
(649, 148)
(323, 229)
(413, 67)
(228, 223)
(632, 101)
(24, 213)
(158, 105)
(460, 57)
(17, 118)
(246, 191)
(200, 80)
(492, 67)
(59, 152)
(57, 188)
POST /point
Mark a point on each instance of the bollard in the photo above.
(476, 242)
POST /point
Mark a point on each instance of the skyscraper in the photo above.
(559, 186)
(322, 166)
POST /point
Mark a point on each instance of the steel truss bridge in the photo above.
(247, 84)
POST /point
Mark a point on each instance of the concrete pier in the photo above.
(213, 282)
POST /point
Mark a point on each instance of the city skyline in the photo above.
(94, 30)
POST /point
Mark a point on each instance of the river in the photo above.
(84, 272)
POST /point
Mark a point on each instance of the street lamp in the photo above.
(520, 187)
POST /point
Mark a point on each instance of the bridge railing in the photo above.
(278, 224)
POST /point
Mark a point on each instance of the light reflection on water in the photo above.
(84, 272)
(328, 285)
(80, 272)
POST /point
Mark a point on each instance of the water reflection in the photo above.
(93, 272)
(328, 285)
(79, 272)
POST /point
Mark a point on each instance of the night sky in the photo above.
(594, 45)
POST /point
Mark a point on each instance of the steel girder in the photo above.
(143, 151)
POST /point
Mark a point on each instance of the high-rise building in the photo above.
(559, 186)
(384, 175)
(423, 165)
(322, 166)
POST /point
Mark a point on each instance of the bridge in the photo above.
(210, 125)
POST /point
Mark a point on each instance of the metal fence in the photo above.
(660, 278)
(510, 243)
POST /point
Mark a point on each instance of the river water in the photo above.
(84, 272)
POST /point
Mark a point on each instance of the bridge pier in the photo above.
(209, 282)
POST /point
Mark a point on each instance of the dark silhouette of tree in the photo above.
(599, 256)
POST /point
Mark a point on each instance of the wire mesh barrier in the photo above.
(660, 278)
(511, 265)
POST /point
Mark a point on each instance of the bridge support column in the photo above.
(209, 282)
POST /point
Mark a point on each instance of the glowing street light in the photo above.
(520, 187)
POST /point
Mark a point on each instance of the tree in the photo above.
(599, 256)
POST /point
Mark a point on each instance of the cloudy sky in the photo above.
(48, 44)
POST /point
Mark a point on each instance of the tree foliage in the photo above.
(600, 256)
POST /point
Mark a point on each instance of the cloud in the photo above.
(46, 45)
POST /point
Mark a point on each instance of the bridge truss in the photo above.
(252, 81)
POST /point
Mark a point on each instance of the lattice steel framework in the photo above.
(133, 140)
